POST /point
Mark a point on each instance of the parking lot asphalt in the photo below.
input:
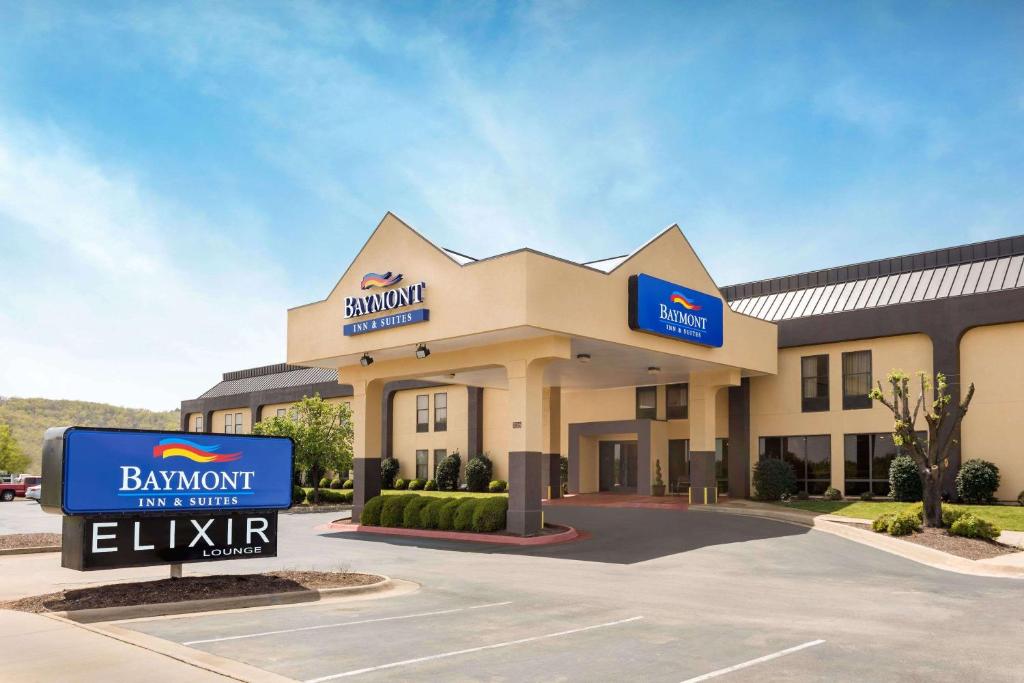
(649, 594)
(23, 516)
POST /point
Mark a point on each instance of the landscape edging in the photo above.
(30, 551)
(570, 534)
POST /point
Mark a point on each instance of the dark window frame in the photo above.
(857, 401)
(680, 411)
(439, 455)
(199, 423)
(817, 403)
(441, 412)
(425, 464)
(229, 423)
(423, 414)
(814, 485)
(647, 413)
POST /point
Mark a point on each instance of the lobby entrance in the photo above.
(617, 466)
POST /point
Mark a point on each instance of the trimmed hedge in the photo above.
(490, 514)
(400, 484)
(1020, 498)
(325, 483)
(429, 513)
(336, 496)
(898, 524)
(415, 484)
(335, 483)
(970, 525)
(772, 478)
(832, 493)
(446, 515)
(411, 515)
(348, 484)
(298, 495)
(463, 520)
(393, 512)
(447, 474)
(371, 511)
(497, 486)
(413, 511)
(977, 481)
(431, 485)
(904, 480)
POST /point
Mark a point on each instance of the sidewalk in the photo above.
(38, 573)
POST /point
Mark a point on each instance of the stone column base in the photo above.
(703, 483)
(366, 484)
(524, 507)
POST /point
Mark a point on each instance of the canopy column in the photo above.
(703, 390)
(366, 442)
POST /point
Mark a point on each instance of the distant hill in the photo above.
(30, 417)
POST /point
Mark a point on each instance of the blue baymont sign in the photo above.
(671, 310)
(382, 301)
(115, 471)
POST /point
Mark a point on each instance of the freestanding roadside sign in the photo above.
(134, 498)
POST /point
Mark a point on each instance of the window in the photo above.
(422, 413)
(722, 464)
(867, 459)
(676, 401)
(281, 412)
(814, 383)
(856, 380)
(440, 412)
(238, 424)
(229, 423)
(646, 403)
(809, 456)
(421, 465)
(199, 423)
(439, 455)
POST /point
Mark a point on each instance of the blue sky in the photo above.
(174, 176)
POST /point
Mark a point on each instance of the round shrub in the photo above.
(867, 495)
(411, 515)
(329, 496)
(371, 511)
(400, 484)
(446, 515)
(489, 514)
(463, 520)
(950, 514)
(393, 512)
(977, 481)
(325, 483)
(772, 478)
(904, 524)
(832, 493)
(348, 484)
(416, 485)
(429, 512)
(335, 483)
(497, 486)
(431, 485)
(388, 472)
(970, 525)
(904, 481)
(1020, 498)
(882, 522)
(478, 473)
(298, 495)
(448, 472)
(346, 496)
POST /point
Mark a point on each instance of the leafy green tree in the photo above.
(942, 416)
(12, 458)
(322, 433)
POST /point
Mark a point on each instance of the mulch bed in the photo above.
(18, 541)
(187, 588)
(940, 539)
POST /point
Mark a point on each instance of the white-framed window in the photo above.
(238, 424)
(198, 422)
(281, 412)
(229, 423)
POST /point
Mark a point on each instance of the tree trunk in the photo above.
(932, 488)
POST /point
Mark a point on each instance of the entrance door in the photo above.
(678, 465)
(617, 466)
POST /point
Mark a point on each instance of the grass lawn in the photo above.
(1007, 517)
(445, 494)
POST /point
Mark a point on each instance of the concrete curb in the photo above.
(30, 551)
(347, 527)
(340, 507)
(159, 609)
(910, 551)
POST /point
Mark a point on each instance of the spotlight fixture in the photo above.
(422, 351)
(367, 359)
(653, 370)
(583, 357)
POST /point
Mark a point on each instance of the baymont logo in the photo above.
(678, 298)
(183, 448)
(378, 280)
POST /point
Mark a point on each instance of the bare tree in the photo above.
(942, 417)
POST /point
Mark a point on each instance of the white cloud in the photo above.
(114, 294)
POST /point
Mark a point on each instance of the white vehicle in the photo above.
(32, 492)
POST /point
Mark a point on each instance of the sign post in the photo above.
(134, 498)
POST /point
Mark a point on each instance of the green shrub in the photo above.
(970, 525)
(772, 478)
(1020, 498)
(867, 495)
(917, 509)
(411, 515)
(325, 483)
(446, 515)
(328, 496)
(489, 514)
(478, 473)
(429, 512)
(463, 520)
(950, 514)
(335, 483)
(415, 484)
(803, 495)
(431, 485)
(882, 522)
(497, 486)
(393, 512)
(348, 484)
(904, 480)
(347, 496)
(400, 484)
(388, 472)
(904, 524)
(298, 495)
(371, 511)
(447, 474)
(977, 481)
(832, 493)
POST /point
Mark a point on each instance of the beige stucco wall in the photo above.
(993, 429)
(775, 405)
(191, 422)
(406, 440)
(217, 426)
(496, 430)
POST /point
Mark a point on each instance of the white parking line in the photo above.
(346, 623)
(443, 655)
(752, 662)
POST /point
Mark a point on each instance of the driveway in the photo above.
(649, 594)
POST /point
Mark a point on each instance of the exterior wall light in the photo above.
(422, 351)
(653, 370)
(583, 357)
(367, 359)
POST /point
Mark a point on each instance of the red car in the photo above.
(8, 492)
